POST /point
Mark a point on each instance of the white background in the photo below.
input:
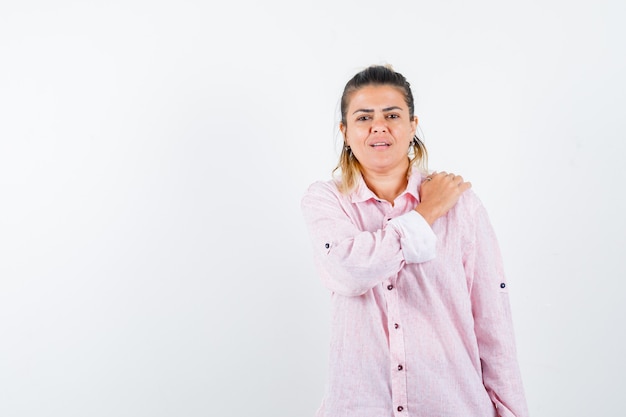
(154, 261)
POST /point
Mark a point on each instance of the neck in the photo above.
(387, 185)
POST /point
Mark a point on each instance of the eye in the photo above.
(362, 118)
(393, 116)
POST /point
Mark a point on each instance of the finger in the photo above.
(465, 186)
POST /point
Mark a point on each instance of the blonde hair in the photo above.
(348, 168)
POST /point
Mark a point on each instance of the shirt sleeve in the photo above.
(492, 320)
(417, 239)
(351, 261)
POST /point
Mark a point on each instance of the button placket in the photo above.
(397, 349)
(387, 216)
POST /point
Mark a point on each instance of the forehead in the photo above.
(377, 96)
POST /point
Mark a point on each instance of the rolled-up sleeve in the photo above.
(417, 239)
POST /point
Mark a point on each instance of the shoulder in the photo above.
(470, 199)
(321, 190)
(322, 187)
(469, 206)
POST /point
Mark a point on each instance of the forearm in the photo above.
(353, 265)
(350, 260)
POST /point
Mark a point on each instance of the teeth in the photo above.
(380, 144)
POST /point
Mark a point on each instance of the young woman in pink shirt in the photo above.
(421, 322)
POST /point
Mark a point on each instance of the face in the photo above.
(379, 129)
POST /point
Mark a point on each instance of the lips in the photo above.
(379, 144)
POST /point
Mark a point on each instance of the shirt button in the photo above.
(400, 408)
(400, 367)
(390, 287)
(502, 285)
(396, 325)
(327, 245)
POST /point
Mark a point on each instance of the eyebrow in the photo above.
(372, 111)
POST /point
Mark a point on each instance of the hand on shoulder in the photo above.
(439, 192)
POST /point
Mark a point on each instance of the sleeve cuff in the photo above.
(418, 241)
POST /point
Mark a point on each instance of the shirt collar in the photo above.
(362, 193)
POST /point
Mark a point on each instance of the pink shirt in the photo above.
(421, 323)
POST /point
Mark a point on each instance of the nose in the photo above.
(379, 125)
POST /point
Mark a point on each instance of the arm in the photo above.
(352, 261)
(492, 320)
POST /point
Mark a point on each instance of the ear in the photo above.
(342, 128)
(413, 126)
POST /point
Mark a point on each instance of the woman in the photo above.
(421, 322)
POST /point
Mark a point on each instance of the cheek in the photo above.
(349, 135)
(356, 132)
(403, 131)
